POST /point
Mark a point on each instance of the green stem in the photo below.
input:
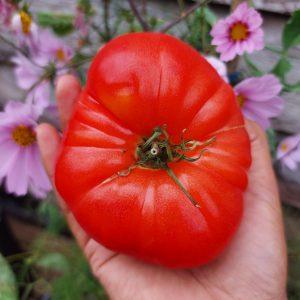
(35, 84)
(8, 42)
(273, 49)
(203, 30)
(18, 256)
(177, 181)
(152, 138)
(183, 16)
(181, 5)
(139, 17)
(144, 7)
(106, 20)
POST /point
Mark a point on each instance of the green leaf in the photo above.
(64, 288)
(61, 24)
(292, 88)
(74, 279)
(8, 290)
(85, 6)
(255, 71)
(54, 261)
(199, 25)
(291, 31)
(50, 213)
(272, 139)
(282, 67)
(210, 17)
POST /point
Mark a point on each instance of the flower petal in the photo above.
(290, 163)
(256, 116)
(269, 109)
(8, 151)
(17, 176)
(259, 88)
(228, 55)
(39, 181)
(26, 72)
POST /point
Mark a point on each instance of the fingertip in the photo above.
(255, 132)
(67, 87)
(46, 133)
(261, 169)
(67, 92)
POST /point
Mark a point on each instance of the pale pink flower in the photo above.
(54, 49)
(239, 33)
(80, 22)
(288, 151)
(259, 98)
(26, 31)
(53, 54)
(21, 169)
(28, 73)
(218, 65)
(6, 10)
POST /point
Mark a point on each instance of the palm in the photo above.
(253, 267)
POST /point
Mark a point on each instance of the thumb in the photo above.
(261, 173)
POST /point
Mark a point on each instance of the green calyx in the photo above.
(157, 151)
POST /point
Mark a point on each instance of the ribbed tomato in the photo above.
(154, 160)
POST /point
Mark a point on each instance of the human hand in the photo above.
(252, 267)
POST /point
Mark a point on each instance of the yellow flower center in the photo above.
(60, 54)
(25, 22)
(284, 147)
(23, 135)
(239, 32)
(241, 100)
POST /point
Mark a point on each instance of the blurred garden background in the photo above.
(42, 39)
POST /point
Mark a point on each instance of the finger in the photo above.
(261, 172)
(49, 141)
(67, 92)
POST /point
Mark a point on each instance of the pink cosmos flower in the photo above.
(26, 30)
(27, 74)
(54, 56)
(21, 168)
(6, 10)
(53, 49)
(259, 98)
(288, 151)
(218, 65)
(238, 33)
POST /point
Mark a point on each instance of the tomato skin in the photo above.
(135, 83)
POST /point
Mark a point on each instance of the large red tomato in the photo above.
(153, 162)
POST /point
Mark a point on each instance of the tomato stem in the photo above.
(177, 181)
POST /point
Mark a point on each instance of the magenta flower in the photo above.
(218, 65)
(238, 33)
(6, 10)
(259, 98)
(21, 168)
(288, 152)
